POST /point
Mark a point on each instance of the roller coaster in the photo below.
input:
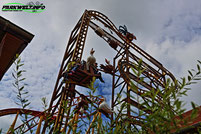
(67, 100)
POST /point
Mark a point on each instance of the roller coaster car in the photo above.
(130, 36)
(99, 32)
(79, 75)
(108, 68)
(114, 44)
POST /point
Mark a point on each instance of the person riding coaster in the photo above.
(85, 67)
(128, 35)
(68, 74)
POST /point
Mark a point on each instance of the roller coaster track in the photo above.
(154, 72)
(127, 56)
(37, 117)
(29, 123)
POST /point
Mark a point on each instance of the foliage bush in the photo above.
(163, 113)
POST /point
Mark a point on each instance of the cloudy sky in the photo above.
(169, 30)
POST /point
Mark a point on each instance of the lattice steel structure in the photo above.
(127, 56)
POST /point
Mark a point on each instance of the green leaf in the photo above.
(18, 60)
(21, 88)
(13, 75)
(190, 73)
(93, 125)
(193, 105)
(189, 78)
(198, 67)
(24, 100)
(20, 65)
(197, 78)
(134, 71)
(22, 79)
(192, 82)
(19, 73)
(26, 105)
(88, 116)
(14, 85)
(194, 113)
(26, 92)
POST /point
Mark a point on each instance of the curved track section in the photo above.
(35, 116)
(122, 41)
(147, 80)
(127, 56)
(152, 79)
(155, 73)
(10, 111)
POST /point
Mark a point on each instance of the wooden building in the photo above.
(13, 40)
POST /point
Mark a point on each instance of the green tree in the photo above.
(21, 91)
(166, 115)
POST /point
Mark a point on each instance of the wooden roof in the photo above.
(192, 125)
(13, 40)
